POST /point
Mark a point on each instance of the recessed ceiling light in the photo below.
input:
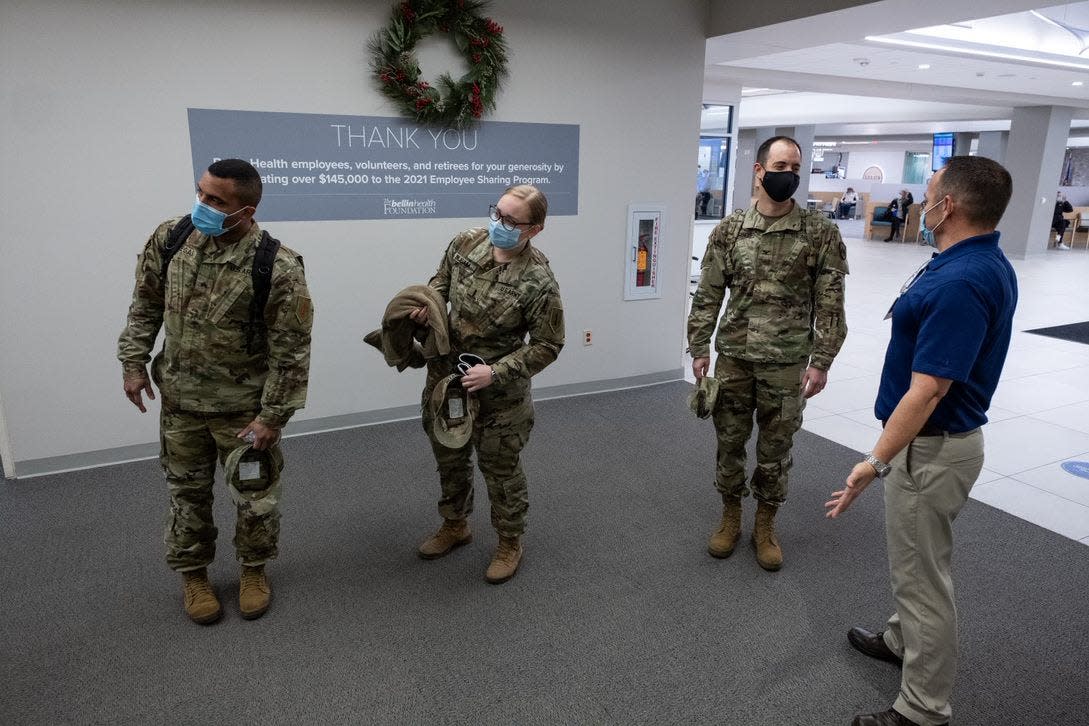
(924, 66)
(1077, 83)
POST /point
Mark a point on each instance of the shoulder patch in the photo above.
(555, 321)
(303, 310)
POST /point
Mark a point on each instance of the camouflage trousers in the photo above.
(191, 443)
(774, 392)
(500, 431)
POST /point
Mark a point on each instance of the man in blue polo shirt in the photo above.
(950, 331)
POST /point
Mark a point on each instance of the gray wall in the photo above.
(1034, 157)
(95, 153)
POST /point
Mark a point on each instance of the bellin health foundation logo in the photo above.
(408, 207)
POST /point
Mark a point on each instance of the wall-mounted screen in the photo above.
(943, 149)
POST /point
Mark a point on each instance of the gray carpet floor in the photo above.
(618, 615)
(1075, 332)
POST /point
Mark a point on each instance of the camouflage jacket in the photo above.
(203, 307)
(786, 280)
(493, 306)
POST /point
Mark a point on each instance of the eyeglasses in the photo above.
(508, 224)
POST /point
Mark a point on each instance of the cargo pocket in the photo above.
(791, 412)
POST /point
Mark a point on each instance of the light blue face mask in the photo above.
(501, 237)
(928, 234)
(209, 220)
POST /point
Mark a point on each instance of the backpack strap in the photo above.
(261, 274)
(733, 228)
(179, 233)
(810, 230)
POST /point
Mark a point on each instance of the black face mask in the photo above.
(780, 184)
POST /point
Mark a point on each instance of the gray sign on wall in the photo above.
(317, 166)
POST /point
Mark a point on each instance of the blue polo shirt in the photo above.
(953, 322)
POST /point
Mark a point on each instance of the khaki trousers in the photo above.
(924, 492)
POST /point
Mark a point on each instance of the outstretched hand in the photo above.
(859, 478)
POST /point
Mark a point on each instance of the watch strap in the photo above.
(879, 466)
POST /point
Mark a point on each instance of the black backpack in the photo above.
(262, 272)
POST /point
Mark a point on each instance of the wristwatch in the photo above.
(879, 466)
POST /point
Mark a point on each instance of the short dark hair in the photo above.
(981, 187)
(765, 148)
(246, 179)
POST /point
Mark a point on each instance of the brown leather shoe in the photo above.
(254, 592)
(873, 645)
(768, 553)
(201, 604)
(892, 717)
(508, 555)
(723, 541)
(453, 533)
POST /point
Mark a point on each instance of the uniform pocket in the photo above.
(792, 407)
(231, 301)
(789, 264)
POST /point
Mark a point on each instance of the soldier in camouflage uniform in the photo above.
(500, 288)
(224, 375)
(783, 325)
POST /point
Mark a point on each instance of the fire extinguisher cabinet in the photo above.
(642, 276)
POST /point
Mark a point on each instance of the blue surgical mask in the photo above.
(209, 220)
(928, 234)
(501, 237)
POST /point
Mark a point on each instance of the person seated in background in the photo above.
(846, 207)
(897, 212)
(1059, 223)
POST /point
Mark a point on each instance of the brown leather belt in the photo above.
(929, 429)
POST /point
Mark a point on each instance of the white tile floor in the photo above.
(1040, 413)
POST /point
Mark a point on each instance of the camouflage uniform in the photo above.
(784, 312)
(210, 385)
(492, 308)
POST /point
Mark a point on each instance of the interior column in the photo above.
(1034, 157)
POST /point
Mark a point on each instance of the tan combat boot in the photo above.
(254, 592)
(201, 604)
(453, 533)
(768, 554)
(723, 541)
(508, 554)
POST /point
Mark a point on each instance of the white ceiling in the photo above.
(846, 72)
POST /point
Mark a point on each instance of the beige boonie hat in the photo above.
(253, 478)
(453, 411)
(703, 397)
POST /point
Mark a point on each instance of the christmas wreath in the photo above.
(452, 103)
